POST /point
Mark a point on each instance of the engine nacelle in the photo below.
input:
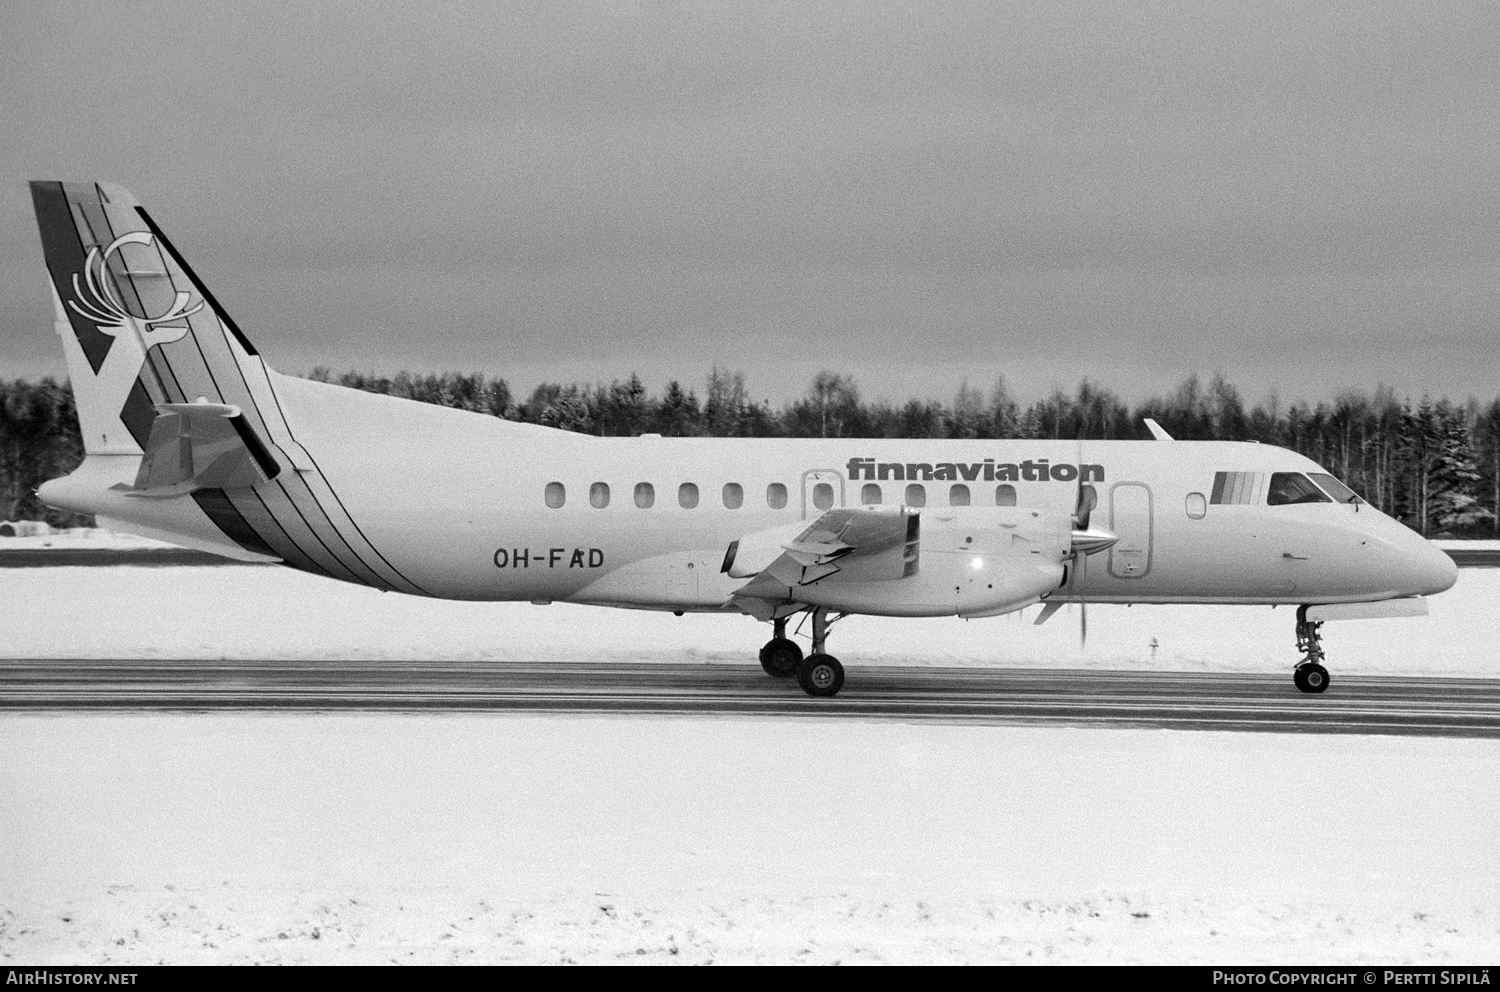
(974, 562)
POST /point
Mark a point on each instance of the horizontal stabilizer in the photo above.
(202, 446)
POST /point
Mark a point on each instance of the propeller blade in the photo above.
(1081, 508)
(1087, 540)
(1079, 560)
(1084, 541)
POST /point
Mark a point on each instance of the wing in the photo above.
(868, 544)
(202, 446)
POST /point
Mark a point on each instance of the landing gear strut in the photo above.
(781, 657)
(820, 674)
(1309, 675)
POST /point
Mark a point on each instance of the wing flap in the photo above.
(867, 544)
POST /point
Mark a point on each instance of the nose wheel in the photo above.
(1309, 675)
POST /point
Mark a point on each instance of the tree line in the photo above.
(1434, 464)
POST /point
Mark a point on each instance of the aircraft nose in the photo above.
(1435, 571)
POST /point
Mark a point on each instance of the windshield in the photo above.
(1333, 487)
(1293, 487)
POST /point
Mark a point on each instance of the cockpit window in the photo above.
(1333, 487)
(1293, 487)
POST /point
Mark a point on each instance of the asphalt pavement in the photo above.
(1181, 701)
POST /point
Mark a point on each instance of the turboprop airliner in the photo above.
(190, 437)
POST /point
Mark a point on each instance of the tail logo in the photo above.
(97, 300)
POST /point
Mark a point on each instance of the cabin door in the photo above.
(1130, 518)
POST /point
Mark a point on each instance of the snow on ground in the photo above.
(436, 838)
(1468, 545)
(367, 838)
(239, 611)
(90, 538)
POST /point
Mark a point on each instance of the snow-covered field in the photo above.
(344, 838)
(367, 838)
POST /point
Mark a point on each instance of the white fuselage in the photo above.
(458, 503)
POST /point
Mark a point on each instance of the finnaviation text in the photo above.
(1037, 470)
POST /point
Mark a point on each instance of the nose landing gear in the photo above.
(1309, 675)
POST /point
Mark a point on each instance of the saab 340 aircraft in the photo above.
(190, 437)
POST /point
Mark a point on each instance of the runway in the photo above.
(1452, 707)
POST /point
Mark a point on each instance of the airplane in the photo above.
(190, 437)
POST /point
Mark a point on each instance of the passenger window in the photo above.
(1197, 506)
(734, 495)
(687, 495)
(916, 495)
(822, 495)
(869, 494)
(1293, 487)
(645, 495)
(958, 495)
(555, 494)
(1005, 495)
(599, 495)
(776, 496)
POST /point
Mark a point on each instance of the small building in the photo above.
(23, 528)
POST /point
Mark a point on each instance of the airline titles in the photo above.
(1038, 470)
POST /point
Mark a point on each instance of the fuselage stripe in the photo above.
(334, 493)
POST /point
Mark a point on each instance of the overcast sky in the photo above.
(1305, 196)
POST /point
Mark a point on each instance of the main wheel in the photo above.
(1311, 677)
(820, 675)
(781, 657)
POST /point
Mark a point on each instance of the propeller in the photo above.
(1081, 512)
(1086, 540)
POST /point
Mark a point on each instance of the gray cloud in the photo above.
(1303, 195)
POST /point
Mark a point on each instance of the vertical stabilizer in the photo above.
(166, 383)
(137, 327)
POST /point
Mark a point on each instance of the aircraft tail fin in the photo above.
(184, 428)
(137, 325)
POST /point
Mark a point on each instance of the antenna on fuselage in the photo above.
(1158, 431)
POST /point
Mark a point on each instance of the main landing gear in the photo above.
(1309, 675)
(819, 674)
(781, 657)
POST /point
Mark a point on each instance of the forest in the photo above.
(1432, 463)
